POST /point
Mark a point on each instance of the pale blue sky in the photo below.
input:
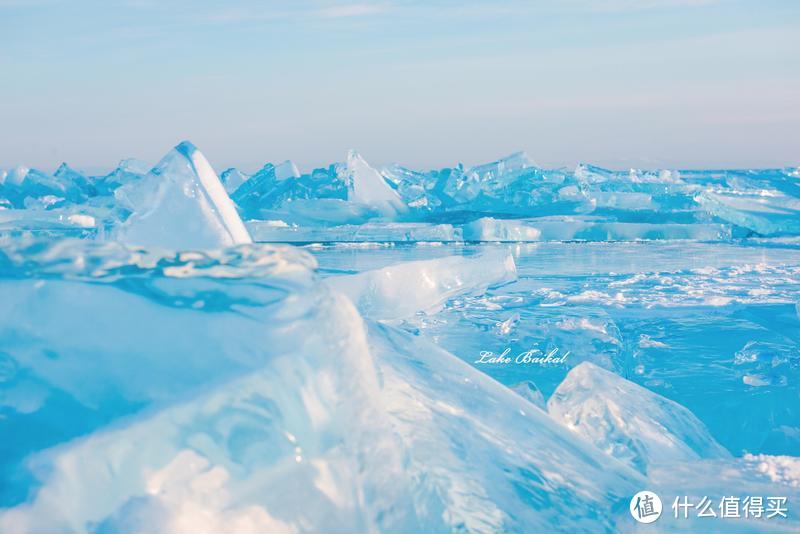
(620, 83)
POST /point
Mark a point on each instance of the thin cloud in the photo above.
(350, 10)
(633, 5)
(258, 13)
(14, 4)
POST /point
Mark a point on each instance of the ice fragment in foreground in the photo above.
(180, 205)
(226, 386)
(628, 421)
(401, 290)
(485, 460)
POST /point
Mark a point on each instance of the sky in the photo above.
(617, 83)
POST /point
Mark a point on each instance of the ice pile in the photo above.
(168, 374)
(511, 199)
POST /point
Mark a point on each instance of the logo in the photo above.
(528, 357)
(645, 507)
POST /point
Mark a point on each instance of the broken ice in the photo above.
(168, 363)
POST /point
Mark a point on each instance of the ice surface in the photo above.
(398, 291)
(628, 421)
(190, 380)
(180, 205)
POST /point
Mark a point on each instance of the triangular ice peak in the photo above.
(369, 187)
(181, 205)
(285, 170)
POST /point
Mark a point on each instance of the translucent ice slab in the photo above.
(628, 421)
(404, 289)
(369, 187)
(486, 459)
(180, 205)
(764, 212)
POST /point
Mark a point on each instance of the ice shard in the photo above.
(401, 290)
(764, 212)
(232, 179)
(286, 170)
(628, 421)
(128, 170)
(180, 205)
(370, 188)
(24, 188)
(489, 229)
